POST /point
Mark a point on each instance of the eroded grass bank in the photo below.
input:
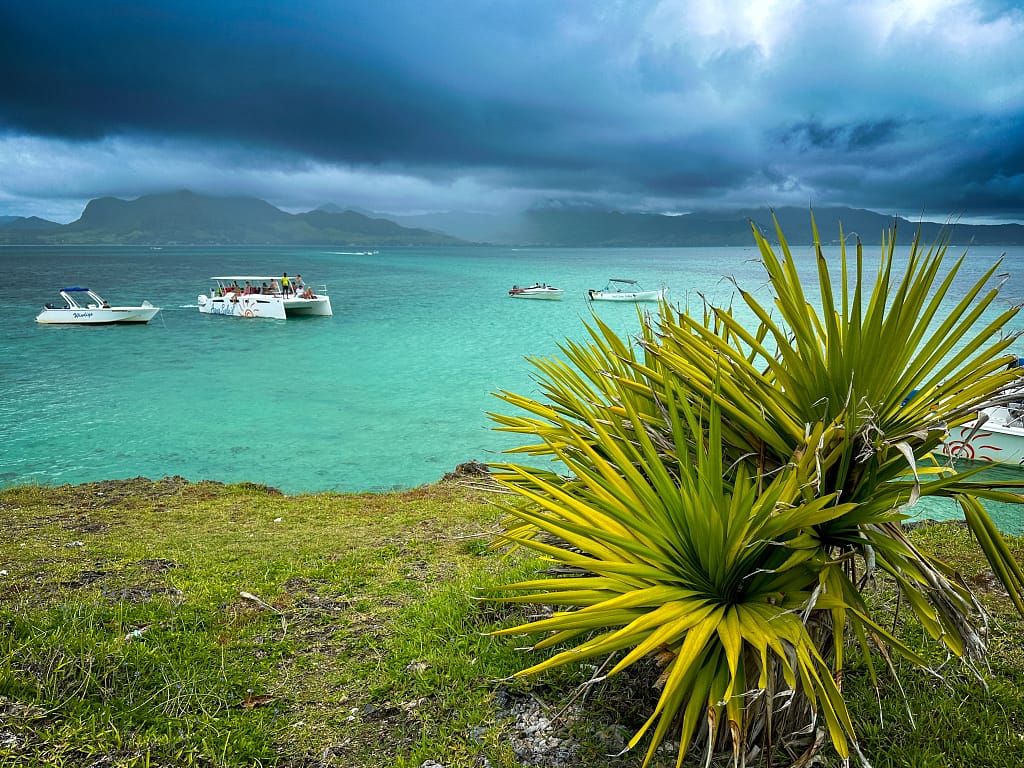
(194, 624)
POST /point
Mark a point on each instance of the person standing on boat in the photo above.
(285, 286)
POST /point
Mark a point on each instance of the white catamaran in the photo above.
(261, 296)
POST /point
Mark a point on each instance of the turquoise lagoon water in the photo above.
(391, 392)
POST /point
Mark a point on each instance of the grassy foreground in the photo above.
(170, 623)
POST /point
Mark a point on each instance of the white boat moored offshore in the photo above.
(620, 289)
(996, 436)
(536, 291)
(261, 296)
(85, 307)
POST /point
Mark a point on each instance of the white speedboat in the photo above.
(997, 436)
(619, 289)
(536, 291)
(261, 296)
(85, 307)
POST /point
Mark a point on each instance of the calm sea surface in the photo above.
(391, 392)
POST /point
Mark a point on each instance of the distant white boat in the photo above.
(536, 291)
(85, 307)
(231, 298)
(620, 289)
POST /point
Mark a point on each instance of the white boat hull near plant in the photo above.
(997, 437)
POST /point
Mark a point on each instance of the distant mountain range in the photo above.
(191, 219)
(188, 218)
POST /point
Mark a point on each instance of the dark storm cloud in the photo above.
(858, 136)
(654, 104)
(209, 71)
(332, 81)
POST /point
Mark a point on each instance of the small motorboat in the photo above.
(85, 307)
(536, 291)
(620, 289)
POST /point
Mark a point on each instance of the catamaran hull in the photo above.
(257, 305)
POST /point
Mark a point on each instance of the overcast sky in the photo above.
(406, 106)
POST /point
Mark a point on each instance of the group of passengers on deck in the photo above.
(287, 287)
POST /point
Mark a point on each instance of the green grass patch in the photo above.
(194, 624)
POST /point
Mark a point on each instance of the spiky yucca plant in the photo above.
(731, 489)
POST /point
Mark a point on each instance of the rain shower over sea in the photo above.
(391, 392)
